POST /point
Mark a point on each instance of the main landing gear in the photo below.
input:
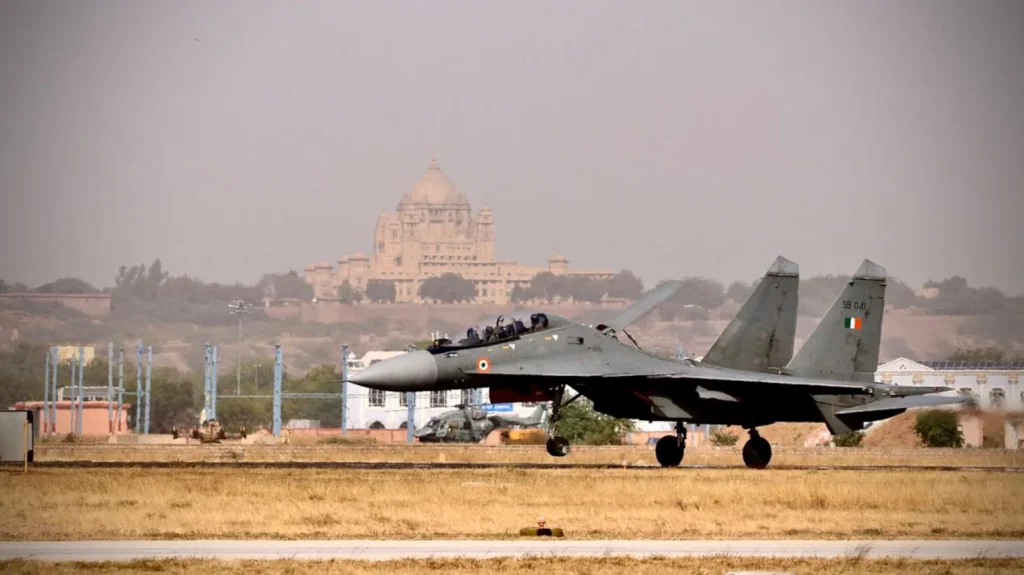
(669, 449)
(558, 446)
(757, 452)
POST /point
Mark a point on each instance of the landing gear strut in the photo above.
(757, 452)
(557, 446)
(669, 449)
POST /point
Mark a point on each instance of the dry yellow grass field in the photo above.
(133, 503)
(553, 566)
(432, 453)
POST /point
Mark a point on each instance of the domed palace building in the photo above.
(434, 231)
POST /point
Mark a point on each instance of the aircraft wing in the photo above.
(711, 383)
(644, 305)
(894, 403)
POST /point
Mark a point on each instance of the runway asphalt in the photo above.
(383, 550)
(378, 465)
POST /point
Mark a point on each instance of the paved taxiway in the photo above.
(382, 550)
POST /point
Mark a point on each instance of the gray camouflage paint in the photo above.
(824, 382)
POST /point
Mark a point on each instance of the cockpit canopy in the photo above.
(504, 328)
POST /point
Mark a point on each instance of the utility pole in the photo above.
(239, 308)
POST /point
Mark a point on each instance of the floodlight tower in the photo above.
(239, 308)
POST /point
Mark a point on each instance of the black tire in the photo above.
(668, 451)
(558, 446)
(757, 452)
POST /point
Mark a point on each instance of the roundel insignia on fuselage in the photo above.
(483, 365)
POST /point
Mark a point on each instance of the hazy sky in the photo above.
(672, 138)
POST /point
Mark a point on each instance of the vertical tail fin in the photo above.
(761, 334)
(845, 344)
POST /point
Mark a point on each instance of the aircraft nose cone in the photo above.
(409, 372)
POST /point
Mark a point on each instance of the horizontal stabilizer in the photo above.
(894, 403)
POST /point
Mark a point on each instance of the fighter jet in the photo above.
(473, 424)
(746, 379)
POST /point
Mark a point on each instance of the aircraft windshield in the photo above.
(504, 327)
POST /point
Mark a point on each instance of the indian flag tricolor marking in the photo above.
(853, 323)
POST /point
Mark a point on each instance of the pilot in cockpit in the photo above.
(489, 333)
(538, 321)
(519, 327)
(472, 336)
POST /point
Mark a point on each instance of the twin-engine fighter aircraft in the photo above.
(748, 378)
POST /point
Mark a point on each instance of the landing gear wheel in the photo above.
(669, 451)
(558, 446)
(757, 452)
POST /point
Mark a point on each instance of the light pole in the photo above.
(239, 308)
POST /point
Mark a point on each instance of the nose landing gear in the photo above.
(757, 452)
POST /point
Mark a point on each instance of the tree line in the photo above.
(151, 290)
(177, 396)
(545, 286)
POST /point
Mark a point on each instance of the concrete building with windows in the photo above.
(992, 386)
(433, 231)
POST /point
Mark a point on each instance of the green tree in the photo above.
(380, 291)
(288, 286)
(549, 287)
(739, 291)
(581, 424)
(250, 412)
(722, 438)
(66, 285)
(700, 292)
(989, 353)
(448, 288)
(520, 294)
(938, 428)
(348, 294)
(177, 400)
(22, 373)
(851, 439)
(625, 285)
(899, 295)
(585, 289)
(15, 287)
(693, 300)
(955, 297)
(817, 294)
(320, 379)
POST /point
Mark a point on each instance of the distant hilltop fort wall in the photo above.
(434, 231)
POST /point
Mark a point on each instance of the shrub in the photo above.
(939, 428)
(851, 439)
(723, 438)
(580, 423)
(339, 440)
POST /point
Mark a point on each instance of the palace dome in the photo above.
(434, 189)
